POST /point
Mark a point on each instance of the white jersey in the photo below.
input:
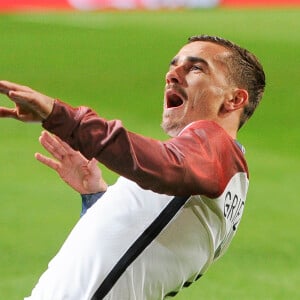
(121, 237)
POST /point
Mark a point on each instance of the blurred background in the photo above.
(113, 56)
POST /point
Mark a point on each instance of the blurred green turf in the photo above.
(115, 63)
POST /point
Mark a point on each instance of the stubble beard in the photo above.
(171, 128)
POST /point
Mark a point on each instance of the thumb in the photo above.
(8, 112)
(93, 164)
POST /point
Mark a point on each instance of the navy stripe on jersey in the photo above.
(140, 245)
(185, 285)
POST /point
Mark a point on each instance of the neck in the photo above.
(229, 126)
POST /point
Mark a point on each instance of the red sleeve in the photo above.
(201, 160)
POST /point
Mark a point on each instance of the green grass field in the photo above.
(115, 63)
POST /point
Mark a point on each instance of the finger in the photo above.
(47, 161)
(20, 96)
(49, 138)
(6, 86)
(52, 146)
(57, 142)
(26, 100)
(8, 113)
(93, 164)
(17, 114)
(89, 167)
(61, 143)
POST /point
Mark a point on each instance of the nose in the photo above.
(175, 75)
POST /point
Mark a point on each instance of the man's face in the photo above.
(196, 86)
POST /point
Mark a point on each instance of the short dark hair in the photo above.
(244, 70)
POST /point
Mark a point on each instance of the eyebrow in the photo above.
(192, 59)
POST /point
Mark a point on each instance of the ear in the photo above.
(239, 99)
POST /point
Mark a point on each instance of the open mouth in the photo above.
(173, 100)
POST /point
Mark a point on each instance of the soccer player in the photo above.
(177, 204)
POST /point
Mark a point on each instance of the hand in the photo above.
(82, 175)
(30, 106)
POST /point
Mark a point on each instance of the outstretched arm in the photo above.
(81, 174)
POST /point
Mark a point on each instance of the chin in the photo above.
(171, 130)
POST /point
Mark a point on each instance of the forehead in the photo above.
(206, 50)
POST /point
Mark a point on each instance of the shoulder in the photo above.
(208, 134)
(215, 153)
(204, 127)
